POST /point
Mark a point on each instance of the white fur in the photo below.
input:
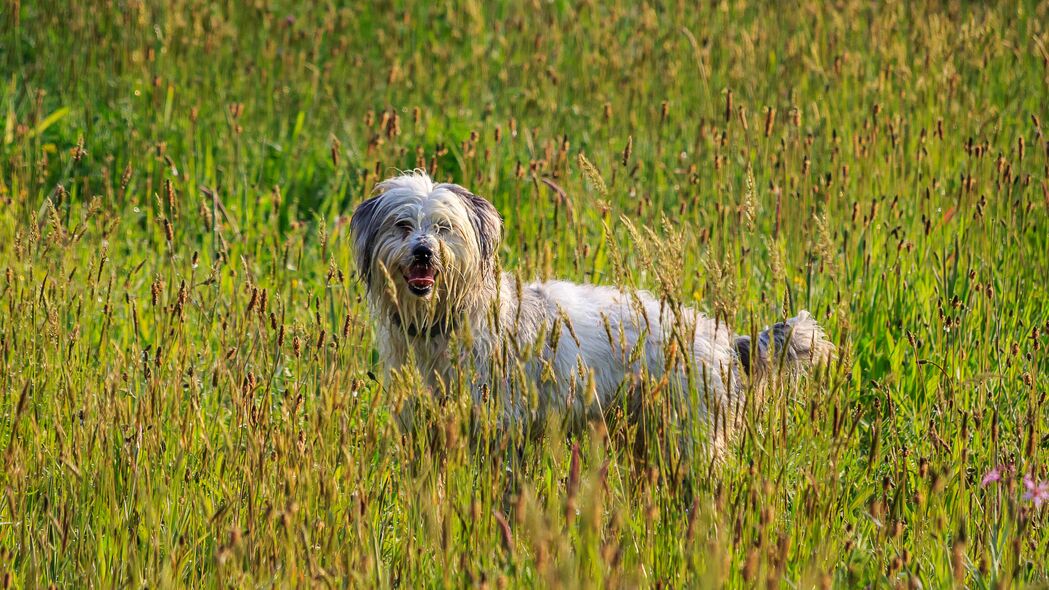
(575, 350)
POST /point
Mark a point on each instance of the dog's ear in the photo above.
(363, 227)
(487, 223)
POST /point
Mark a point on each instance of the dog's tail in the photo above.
(787, 349)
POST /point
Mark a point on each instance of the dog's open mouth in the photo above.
(420, 278)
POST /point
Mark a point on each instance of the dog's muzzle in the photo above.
(422, 273)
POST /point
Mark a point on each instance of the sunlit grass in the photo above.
(189, 393)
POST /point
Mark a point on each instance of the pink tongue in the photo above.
(420, 276)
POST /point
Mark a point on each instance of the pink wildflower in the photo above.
(1037, 492)
(991, 476)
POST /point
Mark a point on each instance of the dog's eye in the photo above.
(405, 226)
(441, 228)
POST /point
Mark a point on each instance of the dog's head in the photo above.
(428, 246)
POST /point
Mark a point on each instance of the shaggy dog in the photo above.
(427, 254)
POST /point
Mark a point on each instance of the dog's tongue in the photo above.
(420, 276)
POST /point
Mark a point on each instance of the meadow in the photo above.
(189, 390)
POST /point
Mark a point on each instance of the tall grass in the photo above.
(189, 393)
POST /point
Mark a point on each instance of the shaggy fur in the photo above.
(428, 255)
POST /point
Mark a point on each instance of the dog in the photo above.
(427, 254)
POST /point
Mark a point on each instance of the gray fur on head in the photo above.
(487, 222)
(364, 229)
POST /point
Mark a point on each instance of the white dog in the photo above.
(427, 254)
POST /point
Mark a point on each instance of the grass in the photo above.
(189, 393)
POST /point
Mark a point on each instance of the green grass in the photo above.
(188, 390)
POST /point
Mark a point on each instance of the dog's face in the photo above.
(424, 244)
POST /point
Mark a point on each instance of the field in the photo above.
(189, 389)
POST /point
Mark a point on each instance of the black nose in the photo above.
(422, 253)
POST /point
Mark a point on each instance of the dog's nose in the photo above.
(422, 253)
